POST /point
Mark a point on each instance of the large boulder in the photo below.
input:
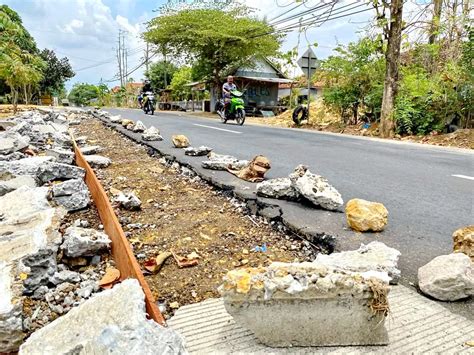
(180, 141)
(98, 161)
(463, 239)
(277, 188)
(112, 322)
(363, 216)
(152, 134)
(375, 256)
(139, 127)
(316, 189)
(72, 194)
(447, 277)
(84, 242)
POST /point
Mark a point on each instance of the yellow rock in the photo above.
(363, 216)
(180, 141)
(463, 239)
(241, 278)
(126, 122)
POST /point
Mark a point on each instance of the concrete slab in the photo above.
(416, 325)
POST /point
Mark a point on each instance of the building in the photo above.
(260, 84)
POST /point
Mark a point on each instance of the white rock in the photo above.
(84, 242)
(317, 190)
(91, 149)
(62, 155)
(139, 127)
(128, 200)
(447, 277)
(223, 162)
(197, 151)
(116, 119)
(152, 134)
(277, 188)
(16, 182)
(72, 194)
(375, 256)
(112, 322)
(98, 161)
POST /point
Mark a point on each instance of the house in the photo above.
(301, 86)
(259, 83)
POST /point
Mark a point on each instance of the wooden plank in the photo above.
(121, 250)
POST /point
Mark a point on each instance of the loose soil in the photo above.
(184, 215)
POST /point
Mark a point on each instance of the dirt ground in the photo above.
(185, 216)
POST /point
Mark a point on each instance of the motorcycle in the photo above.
(149, 103)
(235, 109)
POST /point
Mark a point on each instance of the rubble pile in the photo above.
(316, 303)
(44, 272)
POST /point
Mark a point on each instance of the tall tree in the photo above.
(56, 72)
(434, 28)
(160, 74)
(216, 41)
(392, 29)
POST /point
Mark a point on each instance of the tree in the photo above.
(160, 74)
(392, 30)
(82, 94)
(56, 72)
(434, 28)
(178, 85)
(216, 41)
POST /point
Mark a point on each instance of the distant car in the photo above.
(65, 102)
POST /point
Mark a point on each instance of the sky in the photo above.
(86, 31)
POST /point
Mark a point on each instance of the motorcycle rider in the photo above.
(226, 89)
(146, 88)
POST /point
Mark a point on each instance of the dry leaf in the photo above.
(111, 275)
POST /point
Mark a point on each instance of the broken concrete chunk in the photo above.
(62, 155)
(128, 200)
(98, 161)
(223, 162)
(197, 151)
(463, 239)
(91, 149)
(180, 141)
(113, 321)
(308, 304)
(72, 194)
(139, 127)
(16, 182)
(84, 242)
(447, 277)
(374, 256)
(277, 188)
(364, 216)
(317, 190)
(152, 134)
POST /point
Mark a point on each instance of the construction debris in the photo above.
(113, 321)
(308, 304)
(448, 277)
(254, 171)
(364, 216)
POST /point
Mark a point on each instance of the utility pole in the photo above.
(119, 58)
(124, 65)
(147, 51)
(309, 78)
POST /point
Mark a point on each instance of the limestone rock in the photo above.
(11, 141)
(91, 149)
(277, 188)
(26, 166)
(463, 239)
(57, 171)
(65, 276)
(39, 267)
(84, 242)
(130, 126)
(98, 161)
(125, 122)
(223, 162)
(374, 256)
(128, 200)
(180, 141)
(16, 182)
(254, 171)
(363, 216)
(152, 134)
(197, 151)
(113, 321)
(12, 156)
(116, 119)
(139, 127)
(62, 155)
(73, 194)
(317, 190)
(447, 277)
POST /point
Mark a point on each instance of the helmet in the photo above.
(147, 81)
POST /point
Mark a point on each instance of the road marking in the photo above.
(464, 177)
(219, 129)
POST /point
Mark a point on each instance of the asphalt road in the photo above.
(428, 191)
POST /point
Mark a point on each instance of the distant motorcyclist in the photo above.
(146, 88)
(226, 89)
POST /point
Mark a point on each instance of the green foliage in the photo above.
(82, 94)
(178, 85)
(216, 41)
(157, 73)
(56, 72)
